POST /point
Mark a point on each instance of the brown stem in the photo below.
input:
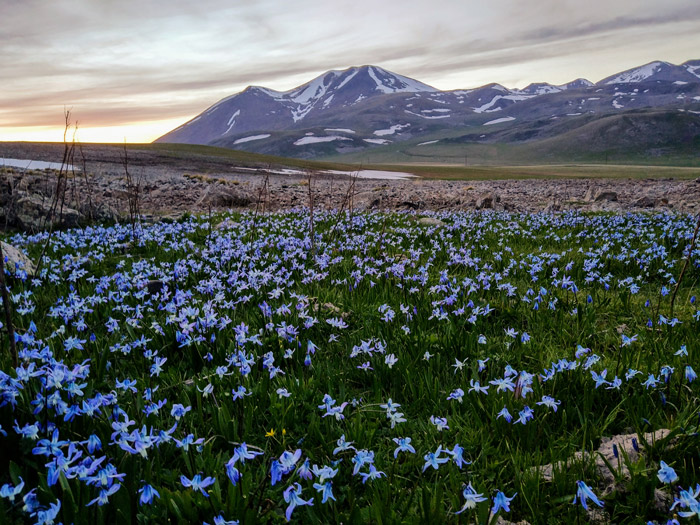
(8, 311)
(685, 265)
(311, 218)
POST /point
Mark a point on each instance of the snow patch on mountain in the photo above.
(339, 130)
(232, 121)
(313, 140)
(377, 141)
(639, 74)
(390, 131)
(487, 107)
(426, 116)
(498, 121)
(393, 83)
(313, 90)
(251, 138)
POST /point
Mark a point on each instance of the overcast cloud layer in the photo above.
(131, 63)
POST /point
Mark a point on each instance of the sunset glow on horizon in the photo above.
(136, 133)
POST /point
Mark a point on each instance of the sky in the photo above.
(132, 70)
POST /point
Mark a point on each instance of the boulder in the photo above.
(486, 201)
(155, 286)
(605, 195)
(645, 202)
(430, 221)
(225, 197)
(100, 211)
(31, 213)
(552, 206)
(16, 260)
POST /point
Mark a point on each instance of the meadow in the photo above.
(354, 368)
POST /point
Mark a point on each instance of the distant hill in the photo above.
(649, 111)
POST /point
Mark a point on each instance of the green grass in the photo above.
(437, 282)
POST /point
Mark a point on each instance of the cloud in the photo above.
(123, 61)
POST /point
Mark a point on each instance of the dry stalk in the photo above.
(347, 201)
(263, 197)
(59, 194)
(133, 194)
(8, 310)
(685, 264)
(311, 215)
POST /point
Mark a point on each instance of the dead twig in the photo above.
(311, 215)
(687, 261)
(133, 194)
(59, 193)
(8, 310)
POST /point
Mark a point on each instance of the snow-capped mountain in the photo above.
(652, 72)
(368, 107)
(259, 108)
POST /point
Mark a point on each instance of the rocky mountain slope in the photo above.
(368, 108)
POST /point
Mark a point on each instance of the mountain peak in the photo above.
(657, 70)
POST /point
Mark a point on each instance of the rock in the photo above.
(31, 213)
(644, 202)
(154, 286)
(15, 260)
(332, 308)
(552, 206)
(225, 225)
(430, 221)
(606, 454)
(100, 211)
(413, 205)
(662, 500)
(605, 195)
(225, 197)
(123, 247)
(502, 521)
(486, 201)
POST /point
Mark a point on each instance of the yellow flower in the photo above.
(284, 431)
(271, 433)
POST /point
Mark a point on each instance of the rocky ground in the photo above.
(168, 185)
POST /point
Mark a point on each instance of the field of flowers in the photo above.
(373, 368)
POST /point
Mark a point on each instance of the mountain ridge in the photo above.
(368, 107)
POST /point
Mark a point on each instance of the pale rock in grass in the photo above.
(226, 224)
(662, 500)
(502, 521)
(605, 455)
(430, 221)
(15, 259)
